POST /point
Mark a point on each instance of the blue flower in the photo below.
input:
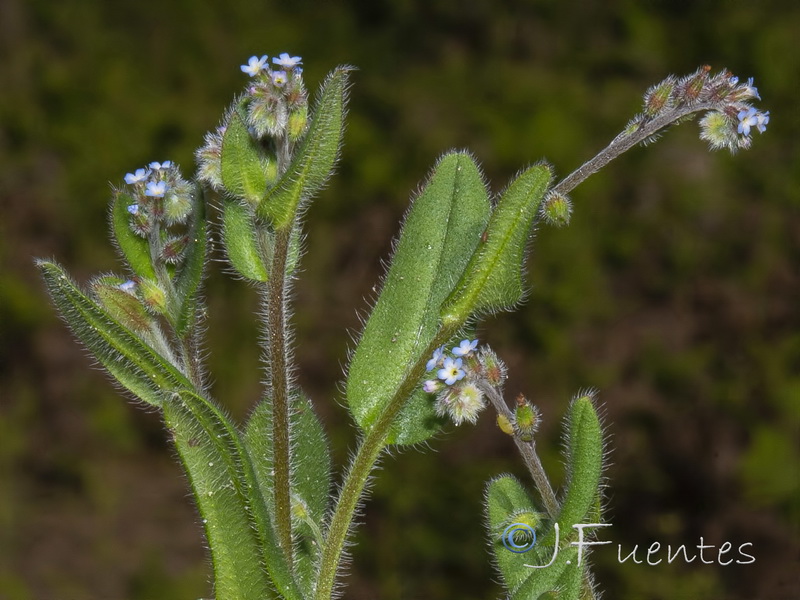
(747, 119)
(761, 121)
(437, 354)
(465, 347)
(156, 189)
(286, 61)
(139, 175)
(279, 78)
(157, 166)
(254, 65)
(753, 91)
(128, 286)
(733, 80)
(451, 371)
(133, 209)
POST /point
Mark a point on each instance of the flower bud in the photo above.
(493, 369)
(153, 296)
(122, 304)
(298, 122)
(505, 425)
(174, 249)
(659, 96)
(526, 419)
(557, 209)
(461, 403)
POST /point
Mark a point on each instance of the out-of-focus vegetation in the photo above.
(674, 291)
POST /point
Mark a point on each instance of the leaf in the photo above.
(440, 233)
(134, 249)
(208, 448)
(239, 238)
(243, 173)
(314, 159)
(134, 364)
(584, 463)
(191, 273)
(506, 502)
(493, 279)
(311, 477)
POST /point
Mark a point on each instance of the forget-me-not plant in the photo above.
(263, 487)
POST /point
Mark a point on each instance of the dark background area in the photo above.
(674, 291)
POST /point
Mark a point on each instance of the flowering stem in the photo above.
(527, 450)
(628, 139)
(361, 466)
(278, 391)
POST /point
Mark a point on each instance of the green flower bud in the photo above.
(526, 419)
(153, 296)
(557, 209)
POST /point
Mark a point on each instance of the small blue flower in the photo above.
(255, 65)
(156, 189)
(733, 80)
(286, 61)
(761, 121)
(133, 209)
(451, 371)
(747, 119)
(279, 78)
(437, 354)
(139, 175)
(157, 166)
(752, 90)
(465, 347)
(128, 286)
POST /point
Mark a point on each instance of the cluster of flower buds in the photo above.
(458, 373)
(729, 118)
(274, 107)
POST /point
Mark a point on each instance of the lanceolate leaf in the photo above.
(584, 463)
(493, 279)
(135, 365)
(507, 502)
(226, 485)
(243, 173)
(314, 159)
(311, 477)
(239, 238)
(191, 273)
(135, 249)
(440, 233)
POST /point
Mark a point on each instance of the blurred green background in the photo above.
(674, 291)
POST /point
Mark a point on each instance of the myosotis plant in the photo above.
(263, 487)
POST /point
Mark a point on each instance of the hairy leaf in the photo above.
(493, 279)
(440, 233)
(134, 249)
(314, 159)
(243, 173)
(239, 237)
(134, 364)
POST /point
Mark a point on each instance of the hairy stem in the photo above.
(627, 140)
(361, 466)
(528, 452)
(277, 350)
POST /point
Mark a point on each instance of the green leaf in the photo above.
(134, 364)
(508, 502)
(311, 478)
(493, 279)
(314, 159)
(239, 238)
(440, 233)
(233, 475)
(243, 173)
(134, 249)
(191, 273)
(207, 445)
(584, 463)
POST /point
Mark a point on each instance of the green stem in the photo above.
(528, 452)
(279, 377)
(361, 466)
